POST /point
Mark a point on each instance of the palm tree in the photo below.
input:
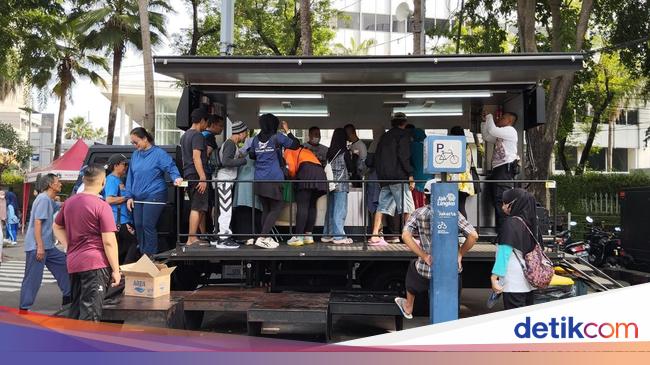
(78, 128)
(115, 25)
(355, 49)
(149, 120)
(63, 60)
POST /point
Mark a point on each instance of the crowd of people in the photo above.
(112, 220)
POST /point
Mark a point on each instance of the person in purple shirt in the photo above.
(146, 187)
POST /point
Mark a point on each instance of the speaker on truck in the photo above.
(534, 107)
(190, 100)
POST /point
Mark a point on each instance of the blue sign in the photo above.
(444, 154)
(36, 157)
(443, 295)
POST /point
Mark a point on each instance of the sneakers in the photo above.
(308, 240)
(343, 241)
(295, 241)
(326, 239)
(227, 243)
(266, 242)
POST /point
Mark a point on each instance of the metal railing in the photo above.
(365, 213)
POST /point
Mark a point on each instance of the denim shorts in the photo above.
(395, 197)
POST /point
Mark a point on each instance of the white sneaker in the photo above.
(250, 242)
(295, 241)
(308, 240)
(266, 242)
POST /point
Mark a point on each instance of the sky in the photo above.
(87, 99)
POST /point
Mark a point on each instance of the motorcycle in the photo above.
(604, 246)
(566, 244)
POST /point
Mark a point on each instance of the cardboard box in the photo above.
(146, 279)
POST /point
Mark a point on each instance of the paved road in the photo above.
(11, 276)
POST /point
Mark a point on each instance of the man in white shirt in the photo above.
(505, 160)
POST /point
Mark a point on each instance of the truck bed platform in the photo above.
(316, 251)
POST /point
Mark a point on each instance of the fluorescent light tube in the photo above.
(299, 114)
(278, 96)
(433, 114)
(448, 94)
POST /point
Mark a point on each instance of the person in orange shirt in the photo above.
(304, 166)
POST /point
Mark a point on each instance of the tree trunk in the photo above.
(526, 24)
(195, 28)
(149, 120)
(60, 119)
(305, 28)
(543, 137)
(610, 145)
(561, 155)
(417, 27)
(584, 156)
(118, 51)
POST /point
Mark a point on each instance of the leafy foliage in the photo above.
(79, 128)
(355, 49)
(15, 151)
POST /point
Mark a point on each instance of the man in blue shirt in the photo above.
(113, 193)
(39, 246)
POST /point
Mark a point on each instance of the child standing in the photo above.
(229, 162)
(12, 224)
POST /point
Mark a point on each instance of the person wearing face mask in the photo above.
(315, 146)
(146, 187)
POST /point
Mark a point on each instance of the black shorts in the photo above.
(416, 283)
(198, 201)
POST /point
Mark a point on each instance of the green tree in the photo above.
(203, 36)
(62, 60)
(13, 150)
(266, 28)
(79, 128)
(114, 26)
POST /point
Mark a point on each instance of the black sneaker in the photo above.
(227, 243)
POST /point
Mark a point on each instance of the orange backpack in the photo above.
(296, 157)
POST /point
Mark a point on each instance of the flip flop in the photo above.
(400, 304)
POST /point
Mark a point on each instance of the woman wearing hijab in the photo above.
(515, 241)
(337, 202)
(417, 161)
(266, 150)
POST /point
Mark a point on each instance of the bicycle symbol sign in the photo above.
(445, 154)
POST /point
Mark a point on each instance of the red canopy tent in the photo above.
(66, 167)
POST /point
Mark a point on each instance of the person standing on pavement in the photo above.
(117, 167)
(40, 251)
(146, 187)
(230, 159)
(86, 226)
(392, 162)
(195, 160)
(12, 225)
(505, 161)
(314, 145)
(418, 275)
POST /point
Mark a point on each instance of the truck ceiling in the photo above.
(434, 91)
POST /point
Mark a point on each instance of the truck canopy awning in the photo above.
(365, 90)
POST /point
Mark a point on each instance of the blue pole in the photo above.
(443, 292)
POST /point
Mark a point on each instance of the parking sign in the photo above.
(444, 154)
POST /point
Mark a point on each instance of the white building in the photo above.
(628, 136)
(12, 114)
(379, 20)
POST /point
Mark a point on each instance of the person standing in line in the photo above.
(229, 162)
(465, 189)
(306, 169)
(392, 161)
(359, 154)
(40, 251)
(215, 128)
(417, 161)
(146, 187)
(117, 167)
(418, 275)
(86, 226)
(515, 241)
(505, 161)
(314, 145)
(373, 188)
(195, 159)
(337, 200)
(266, 150)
